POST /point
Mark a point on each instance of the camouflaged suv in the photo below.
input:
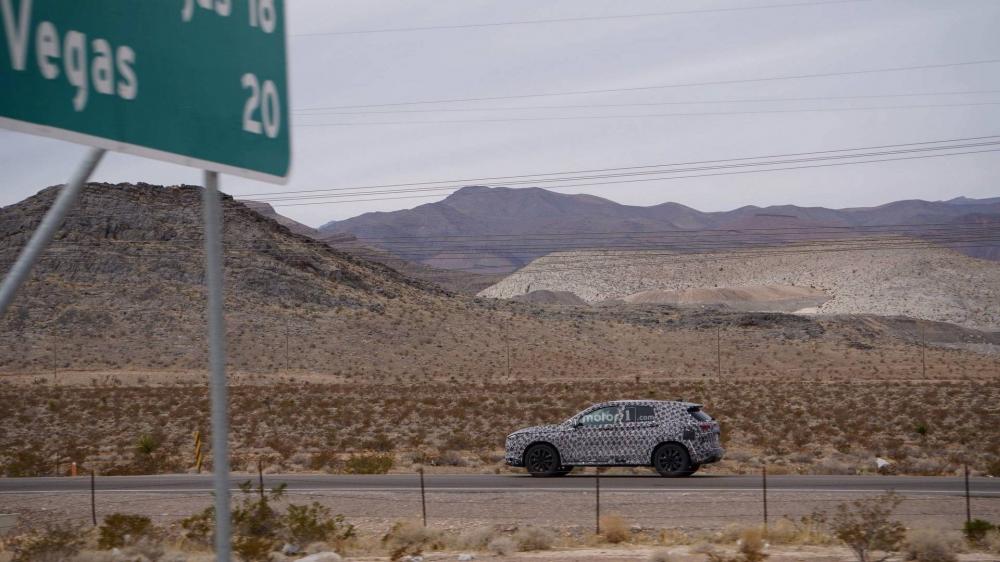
(675, 438)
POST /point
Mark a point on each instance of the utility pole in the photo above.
(93, 499)
(597, 511)
(423, 497)
(968, 501)
(763, 474)
(260, 477)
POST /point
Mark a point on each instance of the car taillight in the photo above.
(706, 426)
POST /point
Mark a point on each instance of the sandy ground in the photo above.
(677, 554)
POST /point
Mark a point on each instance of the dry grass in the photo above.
(932, 545)
(614, 528)
(794, 427)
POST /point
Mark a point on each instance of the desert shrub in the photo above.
(253, 549)
(150, 456)
(865, 526)
(313, 523)
(808, 530)
(477, 538)
(975, 530)
(533, 538)
(407, 538)
(120, 530)
(450, 458)
(992, 541)
(750, 548)
(147, 548)
(502, 546)
(54, 543)
(368, 464)
(614, 529)
(380, 442)
(200, 527)
(253, 516)
(660, 556)
(325, 460)
(258, 528)
(926, 545)
(27, 463)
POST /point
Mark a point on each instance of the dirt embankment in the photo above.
(927, 283)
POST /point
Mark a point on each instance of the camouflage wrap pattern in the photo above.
(628, 440)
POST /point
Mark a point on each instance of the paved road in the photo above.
(188, 483)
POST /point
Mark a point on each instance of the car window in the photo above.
(639, 413)
(601, 416)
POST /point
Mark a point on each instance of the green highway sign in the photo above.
(196, 82)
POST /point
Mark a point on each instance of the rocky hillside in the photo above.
(928, 283)
(498, 230)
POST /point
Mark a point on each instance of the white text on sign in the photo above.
(84, 62)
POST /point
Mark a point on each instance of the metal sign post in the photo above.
(217, 360)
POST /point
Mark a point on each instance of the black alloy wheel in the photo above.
(672, 460)
(542, 460)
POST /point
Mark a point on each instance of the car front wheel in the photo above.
(542, 460)
(672, 460)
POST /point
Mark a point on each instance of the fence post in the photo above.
(260, 477)
(597, 484)
(968, 503)
(423, 497)
(764, 478)
(93, 503)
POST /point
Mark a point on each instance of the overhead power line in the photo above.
(579, 19)
(308, 112)
(537, 181)
(642, 115)
(494, 179)
(676, 85)
(700, 175)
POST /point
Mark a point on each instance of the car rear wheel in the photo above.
(542, 460)
(672, 460)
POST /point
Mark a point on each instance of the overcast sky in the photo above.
(511, 60)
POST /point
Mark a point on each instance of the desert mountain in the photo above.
(122, 290)
(488, 229)
(453, 280)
